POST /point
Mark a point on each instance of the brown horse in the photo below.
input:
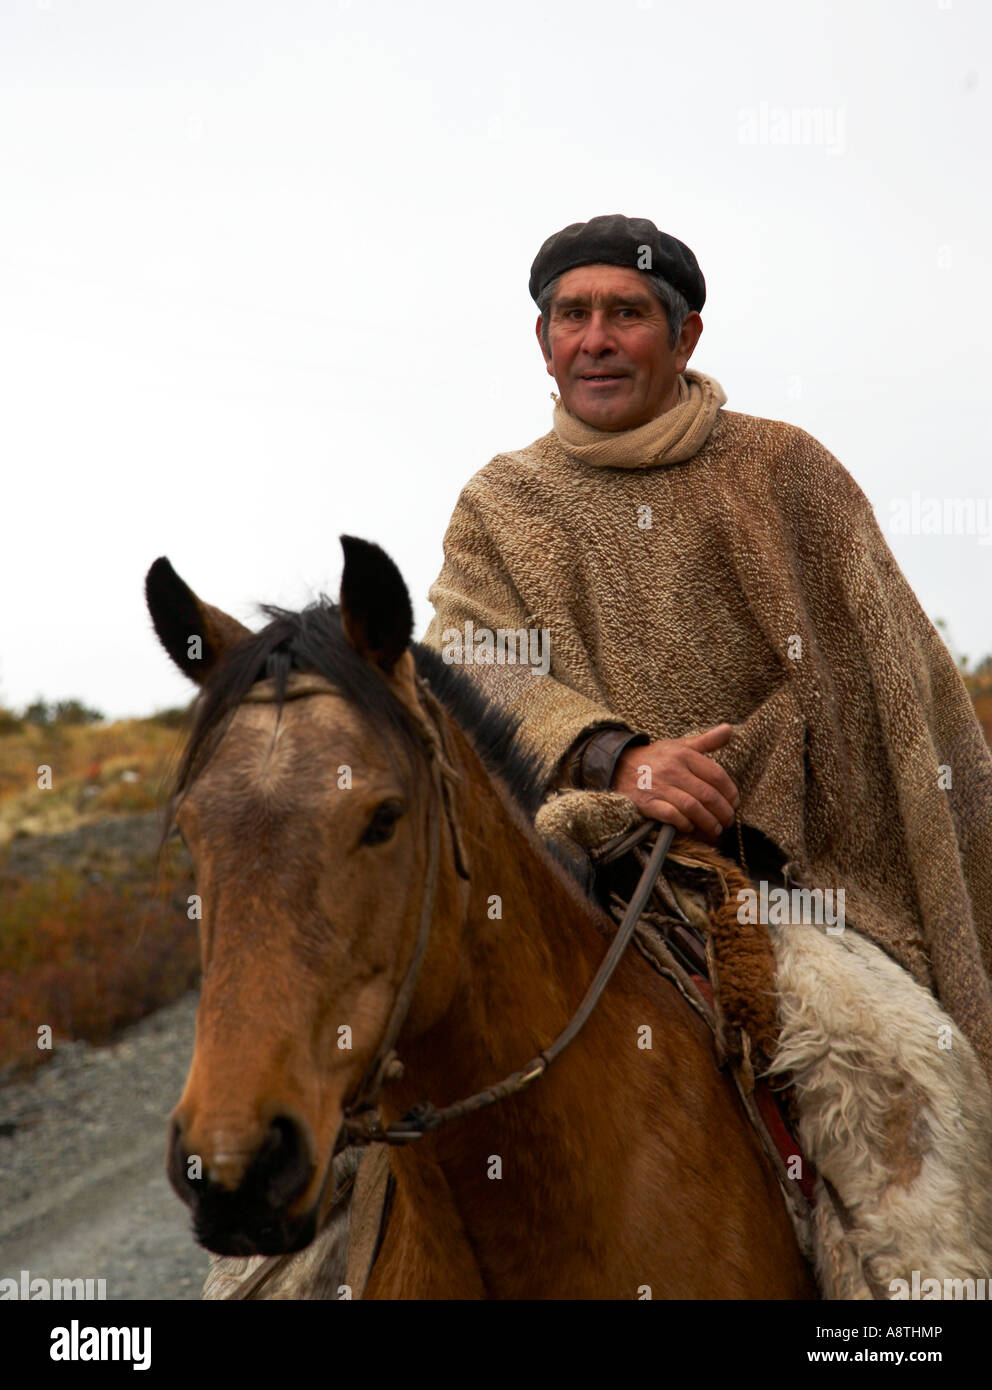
(624, 1171)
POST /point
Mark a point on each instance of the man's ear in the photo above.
(692, 331)
(194, 633)
(544, 351)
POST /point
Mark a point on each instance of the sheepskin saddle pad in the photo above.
(894, 1110)
(698, 888)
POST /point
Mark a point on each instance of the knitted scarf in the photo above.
(669, 438)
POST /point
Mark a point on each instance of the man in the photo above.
(730, 636)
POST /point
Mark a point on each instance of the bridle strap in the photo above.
(385, 1060)
(424, 1118)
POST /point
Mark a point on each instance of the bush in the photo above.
(90, 958)
(44, 714)
(75, 712)
(9, 723)
(174, 718)
(38, 713)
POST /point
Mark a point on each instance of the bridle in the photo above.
(362, 1124)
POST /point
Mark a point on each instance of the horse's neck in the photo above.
(530, 945)
(586, 1184)
(529, 939)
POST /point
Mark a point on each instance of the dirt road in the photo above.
(83, 1191)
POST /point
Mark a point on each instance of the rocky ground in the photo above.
(83, 1191)
(118, 847)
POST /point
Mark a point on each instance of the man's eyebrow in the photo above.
(623, 301)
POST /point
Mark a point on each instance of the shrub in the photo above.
(9, 723)
(174, 718)
(75, 712)
(39, 712)
(88, 958)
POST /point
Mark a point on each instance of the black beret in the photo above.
(617, 240)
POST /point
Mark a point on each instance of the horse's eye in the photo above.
(383, 823)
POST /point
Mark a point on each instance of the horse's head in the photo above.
(307, 801)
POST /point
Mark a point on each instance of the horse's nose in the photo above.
(267, 1180)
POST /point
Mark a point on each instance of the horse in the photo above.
(381, 922)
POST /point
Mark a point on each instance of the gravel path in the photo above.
(83, 1191)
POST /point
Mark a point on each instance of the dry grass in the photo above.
(96, 771)
(82, 951)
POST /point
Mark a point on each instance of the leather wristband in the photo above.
(592, 760)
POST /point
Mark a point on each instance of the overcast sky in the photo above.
(263, 278)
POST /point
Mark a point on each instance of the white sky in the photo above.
(263, 277)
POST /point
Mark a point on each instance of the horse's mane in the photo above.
(492, 729)
(313, 640)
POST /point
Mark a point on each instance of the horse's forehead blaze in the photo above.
(292, 762)
(310, 731)
(271, 815)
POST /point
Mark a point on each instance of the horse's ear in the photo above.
(192, 632)
(375, 606)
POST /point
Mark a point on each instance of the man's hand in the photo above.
(687, 789)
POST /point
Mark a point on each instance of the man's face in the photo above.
(609, 347)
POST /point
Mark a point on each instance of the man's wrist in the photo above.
(591, 762)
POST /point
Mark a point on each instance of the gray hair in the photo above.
(674, 303)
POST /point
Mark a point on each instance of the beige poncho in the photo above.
(711, 566)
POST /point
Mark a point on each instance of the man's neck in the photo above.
(673, 399)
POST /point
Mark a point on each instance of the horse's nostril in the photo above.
(177, 1162)
(282, 1167)
(250, 1214)
(279, 1171)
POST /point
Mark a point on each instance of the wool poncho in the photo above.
(712, 566)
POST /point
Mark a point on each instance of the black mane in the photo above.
(313, 640)
(493, 731)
